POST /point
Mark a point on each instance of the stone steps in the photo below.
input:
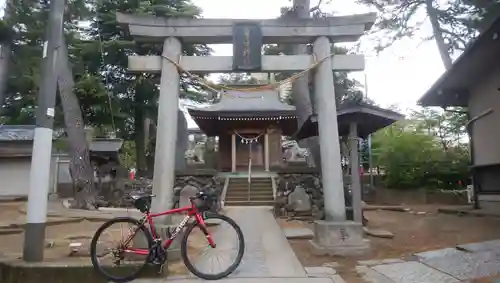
(261, 192)
(252, 193)
(252, 189)
(252, 197)
(249, 203)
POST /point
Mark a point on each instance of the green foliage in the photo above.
(413, 155)
(346, 89)
(459, 21)
(128, 154)
(26, 23)
(6, 32)
(487, 12)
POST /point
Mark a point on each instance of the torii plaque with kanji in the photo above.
(247, 45)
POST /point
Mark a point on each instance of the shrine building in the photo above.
(250, 126)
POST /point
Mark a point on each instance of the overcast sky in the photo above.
(399, 75)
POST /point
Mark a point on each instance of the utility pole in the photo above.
(34, 234)
(5, 55)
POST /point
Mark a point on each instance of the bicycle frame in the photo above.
(191, 211)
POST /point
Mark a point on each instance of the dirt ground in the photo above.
(413, 233)
(59, 237)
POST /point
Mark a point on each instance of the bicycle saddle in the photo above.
(142, 202)
(144, 196)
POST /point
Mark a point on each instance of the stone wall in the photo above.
(299, 193)
(118, 194)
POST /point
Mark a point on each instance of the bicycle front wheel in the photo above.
(112, 252)
(230, 247)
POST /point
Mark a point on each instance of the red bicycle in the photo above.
(152, 251)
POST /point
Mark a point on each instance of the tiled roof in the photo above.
(16, 132)
(27, 133)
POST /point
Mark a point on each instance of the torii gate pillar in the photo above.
(334, 235)
(166, 134)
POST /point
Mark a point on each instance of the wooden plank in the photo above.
(270, 64)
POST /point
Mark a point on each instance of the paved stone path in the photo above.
(448, 265)
(268, 253)
(268, 256)
(270, 259)
(242, 280)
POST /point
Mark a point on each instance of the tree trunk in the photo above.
(300, 90)
(438, 35)
(140, 145)
(81, 169)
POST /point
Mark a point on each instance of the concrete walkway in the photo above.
(450, 265)
(241, 280)
(268, 257)
(268, 253)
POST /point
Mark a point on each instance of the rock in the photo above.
(320, 214)
(379, 233)
(298, 233)
(331, 264)
(75, 249)
(319, 203)
(66, 203)
(78, 237)
(299, 200)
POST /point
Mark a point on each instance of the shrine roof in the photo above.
(241, 104)
(370, 118)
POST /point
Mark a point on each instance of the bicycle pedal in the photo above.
(154, 262)
(160, 270)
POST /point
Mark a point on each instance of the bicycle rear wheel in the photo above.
(225, 226)
(123, 266)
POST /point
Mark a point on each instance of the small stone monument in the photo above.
(299, 200)
(181, 142)
(186, 192)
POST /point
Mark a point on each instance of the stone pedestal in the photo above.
(339, 238)
(174, 252)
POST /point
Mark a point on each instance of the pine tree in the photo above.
(136, 93)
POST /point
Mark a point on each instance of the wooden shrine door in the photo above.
(245, 151)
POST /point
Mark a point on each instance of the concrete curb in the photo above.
(468, 212)
(50, 222)
(56, 272)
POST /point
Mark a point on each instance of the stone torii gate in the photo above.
(247, 37)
